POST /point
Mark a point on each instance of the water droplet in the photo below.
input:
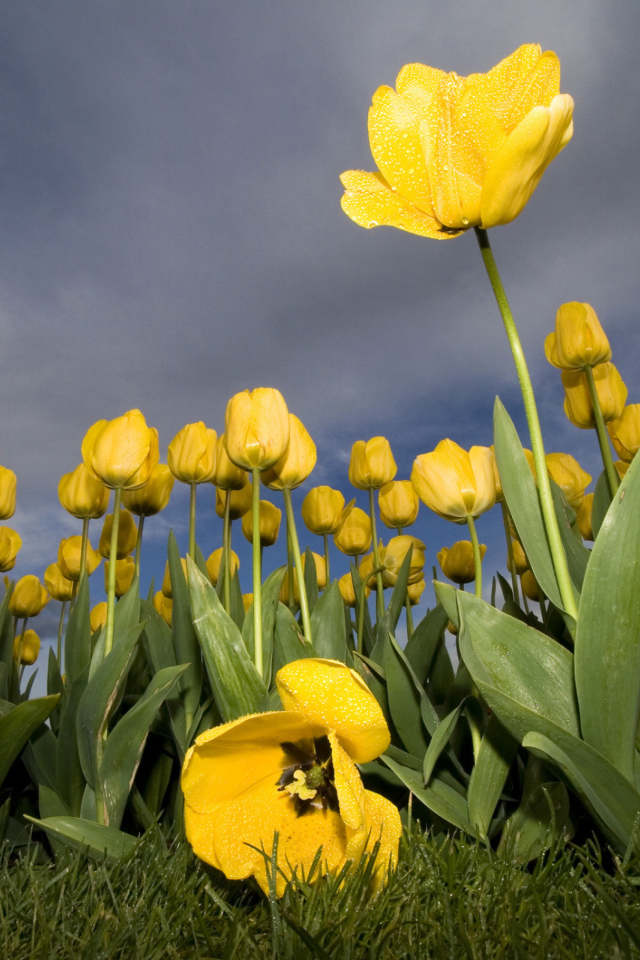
(373, 223)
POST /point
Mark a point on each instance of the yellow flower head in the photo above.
(70, 554)
(372, 464)
(29, 597)
(321, 577)
(456, 152)
(625, 432)
(570, 477)
(354, 534)
(296, 463)
(121, 452)
(322, 510)
(82, 495)
(8, 481)
(398, 504)
(59, 586)
(228, 476)
(240, 500)
(256, 428)
(164, 606)
(192, 454)
(345, 583)
(214, 564)
(153, 497)
(610, 388)
(457, 562)
(578, 339)
(98, 616)
(292, 771)
(28, 650)
(583, 517)
(125, 570)
(127, 535)
(393, 556)
(454, 483)
(10, 543)
(270, 517)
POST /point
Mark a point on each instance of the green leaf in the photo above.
(540, 818)
(439, 741)
(6, 631)
(607, 644)
(17, 726)
(126, 615)
(238, 687)
(289, 642)
(447, 597)
(410, 710)
(375, 679)
(575, 551)
(367, 631)
(40, 757)
(71, 781)
(399, 593)
(124, 747)
(82, 834)
(602, 500)
(161, 654)
(77, 640)
(270, 599)
(490, 771)
(422, 644)
(185, 641)
(328, 627)
(310, 579)
(442, 799)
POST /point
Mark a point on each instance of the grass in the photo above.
(447, 899)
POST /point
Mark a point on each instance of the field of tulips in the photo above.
(284, 731)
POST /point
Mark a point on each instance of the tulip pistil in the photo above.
(308, 777)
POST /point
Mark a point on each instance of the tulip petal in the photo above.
(485, 485)
(417, 84)
(348, 785)
(444, 480)
(329, 694)
(522, 81)
(383, 826)
(370, 202)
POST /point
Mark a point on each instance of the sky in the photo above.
(171, 233)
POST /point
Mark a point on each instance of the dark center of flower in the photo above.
(308, 775)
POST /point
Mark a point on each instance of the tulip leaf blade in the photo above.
(328, 627)
(438, 797)
(423, 642)
(602, 500)
(575, 551)
(399, 593)
(6, 631)
(95, 838)
(77, 640)
(406, 698)
(440, 739)
(71, 781)
(158, 642)
(270, 599)
(289, 643)
(18, 724)
(447, 597)
(185, 641)
(310, 580)
(543, 815)
(490, 770)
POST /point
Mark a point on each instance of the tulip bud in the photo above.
(127, 536)
(583, 517)
(7, 493)
(29, 597)
(372, 464)
(240, 501)
(345, 585)
(296, 463)
(59, 586)
(270, 517)
(121, 453)
(167, 589)
(458, 563)
(625, 432)
(10, 543)
(530, 586)
(519, 558)
(228, 476)
(256, 428)
(354, 534)
(98, 616)
(569, 475)
(454, 483)
(393, 555)
(69, 553)
(451, 627)
(153, 497)
(82, 495)
(214, 564)
(398, 504)
(366, 568)
(322, 510)
(321, 576)
(125, 570)
(610, 389)
(29, 650)
(192, 454)
(247, 600)
(579, 339)
(621, 466)
(164, 606)
(415, 591)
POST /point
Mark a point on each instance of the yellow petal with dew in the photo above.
(348, 785)
(370, 202)
(394, 135)
(383, 826)
(522, 81)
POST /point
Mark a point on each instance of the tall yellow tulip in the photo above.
(59, 586)
(214, 563)
(10, 543)
(457, 562)
(240, 501)
(192, 454)
(453, 483)
(270, 517)
(70, 557)
(354, 534)
(583, 517)
(296, 463)
(625, 432)
(29, 597)
(256, 428)
(398, 503)
(393, 556)
(610, 388)
(372, 464)
(7, 493)
(82, 495)
(26, 647)
(228, 475)
(154, 496)
(127, 536)
(121, 453)
(322, 510)
(578, 339)
(570, 477)
(125, 571)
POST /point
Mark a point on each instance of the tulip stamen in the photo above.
(309, 779)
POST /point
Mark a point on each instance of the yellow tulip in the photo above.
(270, 517)
(167, 589)
(125, 570)
(121, 453)
(366, 568)
(98, 616)
(29, 650)
(583, 517)
(214, 564)
(228, 476)
(372, 464)
(398, 504)
(321, 576)
(82, 495)
(354, 534)
(247, 600)
(296, 463)
(578, 340)
(293, 772)
(10, 543)
(164, 606)
(625, 432)
(29, 597)
(8, 482)
(610, 389)
(457, 562)
(192, 454)
(256, 428)
(519, 557)
(456, 152)
(530, 586)
(322, 510)
(127, 536)
(415, 591)
(621, 466)
(240, 500)
(570, 477)
(69, 553)
(454, 483)
(345, 583)
(153, 497)
(59, 586)
(393, 556)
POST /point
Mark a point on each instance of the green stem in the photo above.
(226, 550)
(139, 546)
(363, 600)
(297, 559)
(407, 604)
(113, 559)
(290, 598)
(510, 557)
(376, 557)
(192, 521)
(477, 559)
(60, 626)
(257, 572)
(326, 559)
(83, 547)
(603, 437)
(544, 487)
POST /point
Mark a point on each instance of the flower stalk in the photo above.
(257, 570)
(297, 559)
(376, 557)
(603, 437)
(477, 556)
(226, 550)
(113, 553)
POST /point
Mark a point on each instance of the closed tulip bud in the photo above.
(7, 493)
(621, 466)
(125, 570)
(127, 536)
(239, 503)
(270, 517)
(10, 543)
(578, 340)
(321, 576)
(59, 586)
(394, 554)
(366, 568)
(583, 517)
(153, 497)
(625, 432)
(398, 504)
(29, 597)
(451, 627)
(372, 464)
(415, 591)
(98, 616)
(570, 477)
(69, 554)
(530, 586)
(457, 562)
(214, 564)
(29, 650)
(354, 534)
(322, 510)
(228, 476)
(454, 483)
(121, 453)
(610, 389)
(345, 585)
(164, 606)
(296, 463)
(82, 495)
(519, 558)
(256, 428)
(247, 600)
(167, 589)
(192, 454)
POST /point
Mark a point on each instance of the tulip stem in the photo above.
(297, 559)
(510, 558)
(362, 601)
(477, 557)
(83, 547)
(113, 561)
(257, 571)
(226, 550)
(139, 546)
(326, 558)
(407, 604)
(60, 626)
(192, 522)
(544, 487)
(603, 436)
(290, 598)
(376, 557)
